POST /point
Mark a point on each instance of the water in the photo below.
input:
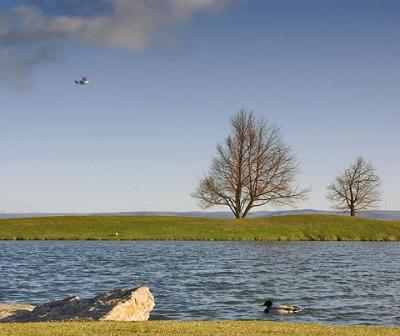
(334, 282)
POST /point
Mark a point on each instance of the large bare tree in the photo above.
(357, 189)
(252, 168)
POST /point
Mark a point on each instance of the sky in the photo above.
(165, 79)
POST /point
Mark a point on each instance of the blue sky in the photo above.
(143, 132)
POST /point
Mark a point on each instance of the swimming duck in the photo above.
(280, 308)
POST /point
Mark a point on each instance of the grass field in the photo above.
(298, 227)
(170, 328)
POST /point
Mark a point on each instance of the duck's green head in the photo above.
(268, 303)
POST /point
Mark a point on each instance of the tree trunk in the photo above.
(352, 212)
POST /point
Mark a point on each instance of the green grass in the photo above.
(170, 328)
(299, 227)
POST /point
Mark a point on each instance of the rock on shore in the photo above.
(10, 309)
(117, 305)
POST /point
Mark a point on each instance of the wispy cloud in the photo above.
(29, 33)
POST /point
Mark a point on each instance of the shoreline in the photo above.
(200, 240)
(148, 228)
(180, 328)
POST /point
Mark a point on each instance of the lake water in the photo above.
(334, 282)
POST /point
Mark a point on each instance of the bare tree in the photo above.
(357, 189)
(252, 168)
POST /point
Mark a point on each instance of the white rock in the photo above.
(117, 305)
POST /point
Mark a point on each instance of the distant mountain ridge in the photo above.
(376, 214)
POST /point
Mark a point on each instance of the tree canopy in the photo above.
(356, 189)
(252, 168)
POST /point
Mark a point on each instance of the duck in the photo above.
(281, 309)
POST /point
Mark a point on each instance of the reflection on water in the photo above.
(334, 282)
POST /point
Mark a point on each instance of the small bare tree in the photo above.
(357, 189)
(252, 168)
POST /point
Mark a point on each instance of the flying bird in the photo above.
(82, 81)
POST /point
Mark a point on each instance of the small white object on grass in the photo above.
(116, 233)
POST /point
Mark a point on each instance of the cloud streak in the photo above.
(30, 33)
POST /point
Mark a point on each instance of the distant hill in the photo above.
(375, 214)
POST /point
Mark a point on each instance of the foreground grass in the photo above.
(170, 328)
(298, 227)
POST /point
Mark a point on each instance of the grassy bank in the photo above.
(299, 227)
(170, 328)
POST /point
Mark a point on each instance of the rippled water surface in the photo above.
(334, 282)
